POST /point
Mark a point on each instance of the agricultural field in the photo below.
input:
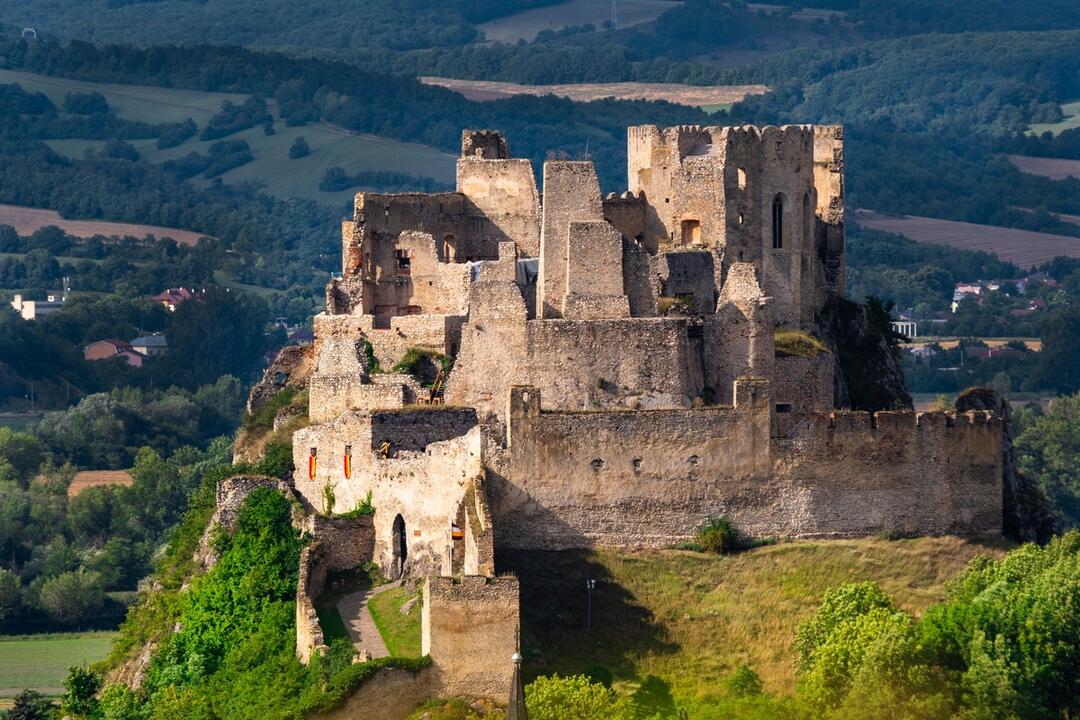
(26, 220)
(86, 479)
(271, 169)
(683, 621)
(714, 96)
(41, 662)
(807, 14)
(525, 25)
(1053, 168)
(1022, 247)
(1071, 111)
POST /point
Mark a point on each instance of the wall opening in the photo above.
(399, 546)
(457, 543)
(778, 222)
(402, 264)
(742, 178)
(449, 248)
(783, 407)
(691, 232)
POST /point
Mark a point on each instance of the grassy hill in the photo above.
(271, 167)
(678, 623)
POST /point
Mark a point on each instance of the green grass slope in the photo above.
(679, 623)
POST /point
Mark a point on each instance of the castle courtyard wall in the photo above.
(650, 478)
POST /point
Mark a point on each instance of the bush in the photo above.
(744, 682)
(31, 705)
(717, 535)
(577, 697)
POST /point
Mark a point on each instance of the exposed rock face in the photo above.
(291, 368)
(1027, 514)
(868, 374)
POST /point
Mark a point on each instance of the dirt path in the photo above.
(358, 621)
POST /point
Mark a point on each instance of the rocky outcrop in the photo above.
(291, 368)
(1026, 511)
(868, 374)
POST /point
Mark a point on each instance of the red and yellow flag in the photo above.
(348, 466)
(311, 464)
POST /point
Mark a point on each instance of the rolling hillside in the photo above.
(271, 167)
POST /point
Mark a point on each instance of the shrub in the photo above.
(577, 697)
(31, 705)
(717, 535)
(423, 364)
(744, 682)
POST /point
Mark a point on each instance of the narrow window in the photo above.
(778, 222)
(449, 248)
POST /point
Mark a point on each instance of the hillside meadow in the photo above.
(681, 622)
(271, 168)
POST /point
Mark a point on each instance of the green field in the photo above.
(271, 168)
(1071, 111)
(681, 622)
(41, 662)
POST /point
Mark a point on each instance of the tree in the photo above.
(299, 149)
(80, 692)
(86, 103)
(31, 705)
(218, 333)
(10, 595)
(1059, 363)
(73, 597)
(1048, 450)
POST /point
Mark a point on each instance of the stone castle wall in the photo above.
(650, 478)
(470, 630)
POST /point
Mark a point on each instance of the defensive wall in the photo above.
(420, 487)
(650, 478)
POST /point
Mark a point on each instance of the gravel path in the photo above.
(358, 621)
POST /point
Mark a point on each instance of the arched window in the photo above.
(449, 248)
(778, 222)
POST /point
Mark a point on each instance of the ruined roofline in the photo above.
(756, 130)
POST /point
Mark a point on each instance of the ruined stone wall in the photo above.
(626, 213)
(415, 428)
(829, 183)
(309, 634)
(803, 384)
(407, 277)
(503, 192)
(650, 478)
(342, 543)
(594, 273)
(739, 338)
(425, 487)
(470, 630)
(438, 333)
(640, 279)
(571, 194)
(689, 275)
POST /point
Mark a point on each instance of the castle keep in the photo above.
(602, 370)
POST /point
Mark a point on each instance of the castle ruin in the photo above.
(615, 379)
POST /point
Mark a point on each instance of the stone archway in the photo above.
(399, 546)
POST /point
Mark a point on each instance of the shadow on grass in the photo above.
(554, 616)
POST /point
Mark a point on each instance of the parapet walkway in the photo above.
(358, 621)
